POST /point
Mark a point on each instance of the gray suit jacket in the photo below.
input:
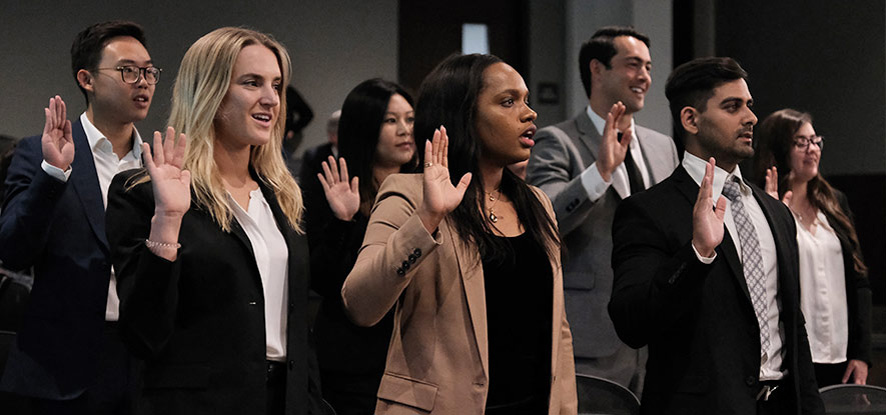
(561, 153)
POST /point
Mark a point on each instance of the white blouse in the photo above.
(823, 292)
(272, 259)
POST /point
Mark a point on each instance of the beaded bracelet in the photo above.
(152, 244)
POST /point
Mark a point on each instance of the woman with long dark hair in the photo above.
(468, 255)
(835, 291)
(375, 141)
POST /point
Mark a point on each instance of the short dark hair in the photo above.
(359, 126)
(692, 84)
(86, 51)
(601, 46)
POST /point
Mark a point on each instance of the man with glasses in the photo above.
(68, 356)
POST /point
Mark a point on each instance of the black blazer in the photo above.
(199, 321)
(858, 293)
(697, 319)
(59, 229)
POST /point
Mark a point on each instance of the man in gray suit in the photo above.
(587, 165)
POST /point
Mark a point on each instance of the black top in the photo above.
(519, 310)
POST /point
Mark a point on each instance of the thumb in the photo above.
(355, 185)
(463, 183)
(186, 178)
(720, 208)
(788, 196)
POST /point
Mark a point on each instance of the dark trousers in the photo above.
(276, 384)
(829, 374)
(115, 386)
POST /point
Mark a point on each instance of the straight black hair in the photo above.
(448, 97)
(361, 120)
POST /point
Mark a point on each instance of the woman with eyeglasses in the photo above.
(835, 290)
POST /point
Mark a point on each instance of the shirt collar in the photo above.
(695, 166)
(95, 138)
(599, 123)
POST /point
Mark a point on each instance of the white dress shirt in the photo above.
(272, 259)
(823, 292)
(591, 179)
(107, 164)
(771, 359)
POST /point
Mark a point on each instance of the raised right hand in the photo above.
(343, 198)
(612, 152)
(57, 141)
(707, 219)
(772, 187)
(440, 196)
(171, 184)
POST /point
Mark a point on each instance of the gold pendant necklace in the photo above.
(493, 199)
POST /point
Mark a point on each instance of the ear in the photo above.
(596, 67)
(84, 79)
(689, 120)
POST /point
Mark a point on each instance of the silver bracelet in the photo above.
(152, 244)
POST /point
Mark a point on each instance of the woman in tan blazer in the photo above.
(471, 268)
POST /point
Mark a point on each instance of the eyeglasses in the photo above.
(132, 73)
(803, 143)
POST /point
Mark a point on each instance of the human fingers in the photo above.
(323, 181)
(181, 147)
(444, 138)
(149, 159)
(159, 157)
(343, 169)
(328, 171)
(169, 147)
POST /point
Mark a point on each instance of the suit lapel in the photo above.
(475, 292)
(588, 135)
(84, 180)
(656, 164)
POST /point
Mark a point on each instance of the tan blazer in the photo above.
(438, 361)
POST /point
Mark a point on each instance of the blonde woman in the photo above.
(210, 259)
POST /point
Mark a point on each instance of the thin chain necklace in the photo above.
(492, 216)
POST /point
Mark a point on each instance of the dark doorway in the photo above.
(431, 30)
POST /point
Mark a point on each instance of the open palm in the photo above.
(171, 184)
(343, 195)
(57, 141)
(440, 196)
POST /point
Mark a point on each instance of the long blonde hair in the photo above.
(201, 85)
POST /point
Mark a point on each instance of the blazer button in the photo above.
(412, 258)
(405, 265)
(417, 252)
(291, 364)
(401, 272)
(291, 307)
(750, 380)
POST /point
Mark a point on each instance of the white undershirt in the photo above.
(272, 259)
(771, 359)
(107, 164)
(823, 292)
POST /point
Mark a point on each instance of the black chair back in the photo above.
(854, 399)
(602, 396)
